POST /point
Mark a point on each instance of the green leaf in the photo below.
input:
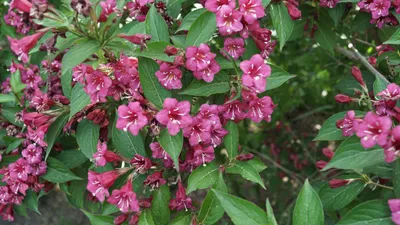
(87, 136)
(174, 7)
(396, 178)
(9, 114)
(225, 63)
(211, 209)
(79, 53)
(13, 145)
(16, 83)
(159, 205)
(99, 219)
(7, 98)
(179, 40)
(257, 164)
(246, 171)
(278, 77)
(241, 211)
(152, 88)
(219, 85)
(337, 13)
(79, 99)
(203, 177)
(270, 213)
(375, 212)
(154, 50)
(156, 26)
(308, 208)
(145, 218)
(281, 22)
(329, 131)
(231, 140)
(66, 83)
(189, 19)
(125, 143)
(6, 29)
(338, 198)
(72, 158)
(394, 39)
(31, 201)
(324, 35)
(57, 172)
(172, 145)
(77, 190)
(379, 85)
(202, 29)
(53, 132)
(183, 218)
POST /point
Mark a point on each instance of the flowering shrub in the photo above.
(132, 108)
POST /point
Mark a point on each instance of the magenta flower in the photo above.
(198, 58)
(255, 72)
(202, 155)
(5, 195)
(99, 183)
(79, 72)
(215, 5)
(346, 125)
(181, 201)
(261, 109)
(217, 134)
(141, 163)
(251, 10)
(379, 8)
(159, 153)
(41, 101)
(131, 118)
(125, 198)
(169, 76)
(99, 157)
(373, 129)
(32, 154)
(22, 47)
(155, 180)
(22, 5)
(392, 148)
(175, 115)
(19, 169)
(97, 86)
(234, 47)
(125, 71)
(234, 110)
(198, 131)
(108, 7)
(17, 186)
(208, 73)
(394, 205)
(365, 5)
(328, 3)
(38, 169)
(228, 20)
(391, 94)
(209, 112)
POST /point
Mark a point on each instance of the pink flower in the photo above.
(159, 153)
(346, 125)
(141, 163)
(155, 180)
(198, 131)
(79, 72)
(394, 205)
(391, 94)
(99, 183)
(234, 47)
(392, 148)
(255, 72)
(31, 79)
(234, 110)
(379, 8)
(365, 5)
(169, 76)
(208, 73)
(22, 5)
(198, 58)
(181, 201)
(251, 10)
(20, 169)
(125, 198)
(41, 101)
(32, 154)
(102, 156)
(108, 7)
(97, 86)
(209, 112)
(17, 186)
(22, 47)
(328, 3)
(39, 168)
(215, 5)
(217, 134)
(131, 118)
(373, 130)
(175, 115)
(228, 20)
(5, 195)
(261, 109)
(203, 155)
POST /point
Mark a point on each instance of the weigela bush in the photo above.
(129, 107)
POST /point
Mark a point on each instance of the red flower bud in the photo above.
(336, 183)
(321, 164)
(120, 219)
(171, 50)
(293, 11)
(341, 98)
(372, 61)
(138, 39)
(328, 153)
(245, 157)
(357, 75)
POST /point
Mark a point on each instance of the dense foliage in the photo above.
(166, 112)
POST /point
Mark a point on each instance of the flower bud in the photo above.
(120, 219)
(372, 61)
(336, 183)
(357, 75)
(341, 98)
(171, 50)
(321, 164)
(245, 157)
(328, 153)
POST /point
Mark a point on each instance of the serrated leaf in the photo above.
(79, 99)
(152, 88)
(53, 132)
(57, 172)
(219, 85)
(156, 26)
(87, 136)
(308, 208)
(79, 53)
(72, 158)
(125, 143)
(281, 22)
(270, 213)
(203, 177)
(246, 171)
(159, 205)
(145, 218)
(375, 212)
(278, 77)
(202, 29)
(172, 145)
(231, 140)
(189, 19)
(241, 211)
(99, 219)
(338, 198)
